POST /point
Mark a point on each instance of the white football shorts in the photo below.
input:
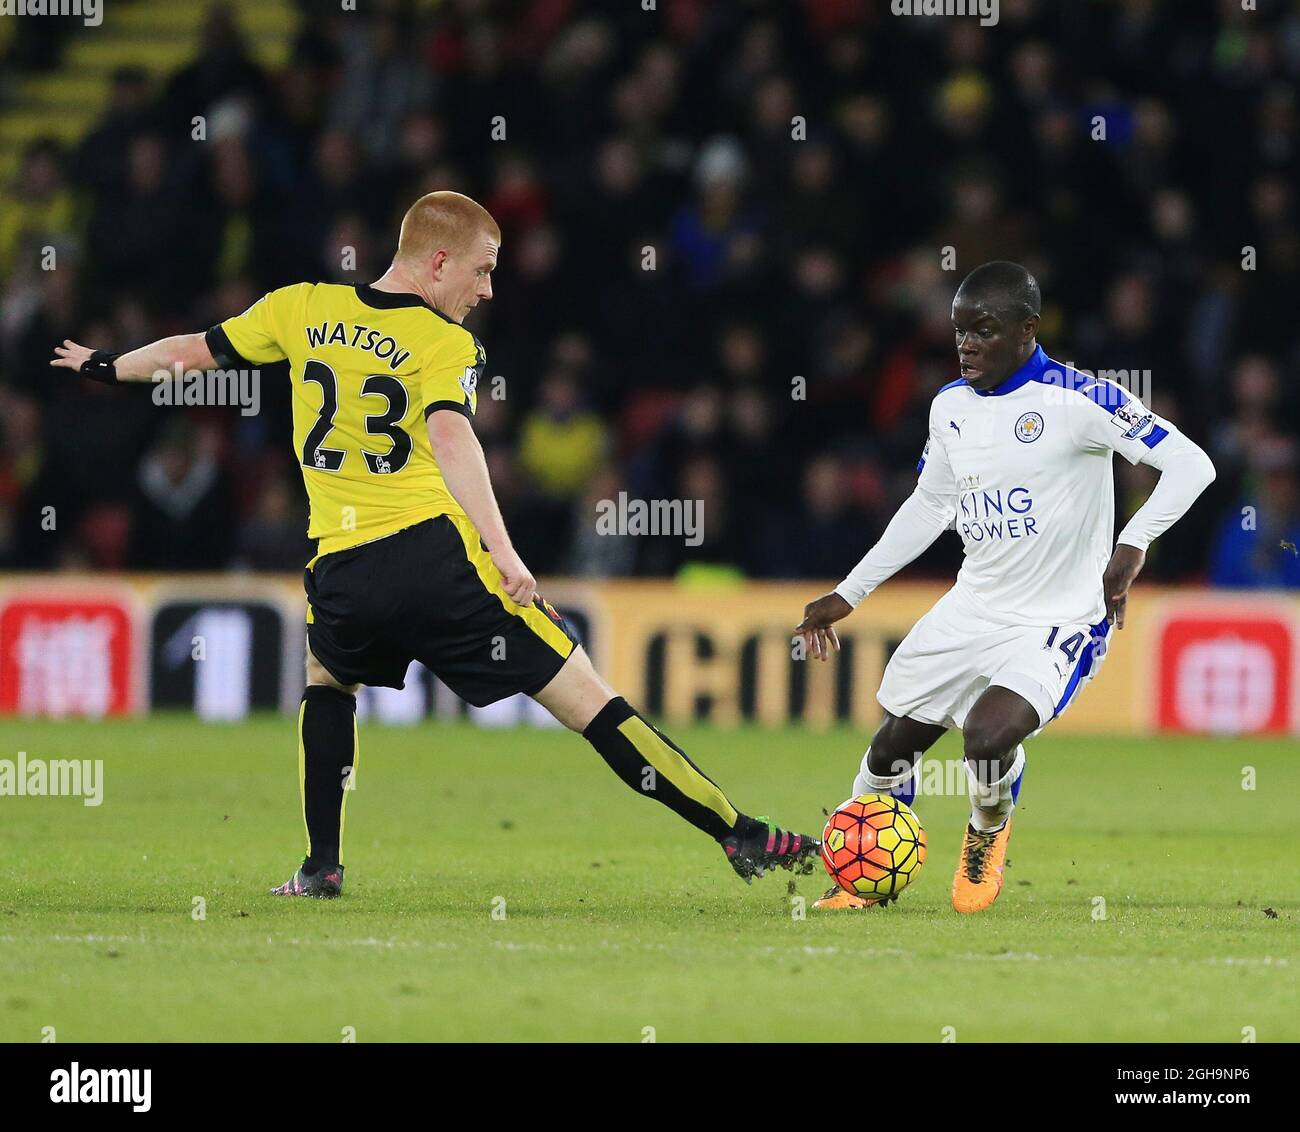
(954, 652)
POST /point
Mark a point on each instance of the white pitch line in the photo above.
(811, 951)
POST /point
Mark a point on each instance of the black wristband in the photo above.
(100, 366)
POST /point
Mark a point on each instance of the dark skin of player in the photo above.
(991, 346)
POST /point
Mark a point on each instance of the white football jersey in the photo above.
(1025, 470)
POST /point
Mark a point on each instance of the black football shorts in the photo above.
(430, 593)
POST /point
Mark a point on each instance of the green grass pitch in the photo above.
(622, 923)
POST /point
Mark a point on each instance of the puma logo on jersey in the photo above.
(955, 426)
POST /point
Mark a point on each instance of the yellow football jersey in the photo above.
(367, 368)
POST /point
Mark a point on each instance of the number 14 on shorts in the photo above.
(1070, 646)
(1074, 644)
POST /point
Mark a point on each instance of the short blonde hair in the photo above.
(443, 220)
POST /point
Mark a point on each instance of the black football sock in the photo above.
(327, 750)
(652, 764)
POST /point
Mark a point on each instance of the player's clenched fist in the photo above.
(815, 628)
(517, 579)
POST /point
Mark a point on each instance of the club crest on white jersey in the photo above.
(1029, 427)
(1024, 470)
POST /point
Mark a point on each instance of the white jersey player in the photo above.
(1018, 462)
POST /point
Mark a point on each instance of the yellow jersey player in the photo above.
(414, 561)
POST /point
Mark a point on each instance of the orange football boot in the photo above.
(978, 879)
(837, 899)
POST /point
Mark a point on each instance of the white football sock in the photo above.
(868, 783)
(991, 804)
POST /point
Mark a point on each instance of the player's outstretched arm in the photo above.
(922, 518)
(189, 351)
(460, 457)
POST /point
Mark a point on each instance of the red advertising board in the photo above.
(65, 656)
(1227, 673)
